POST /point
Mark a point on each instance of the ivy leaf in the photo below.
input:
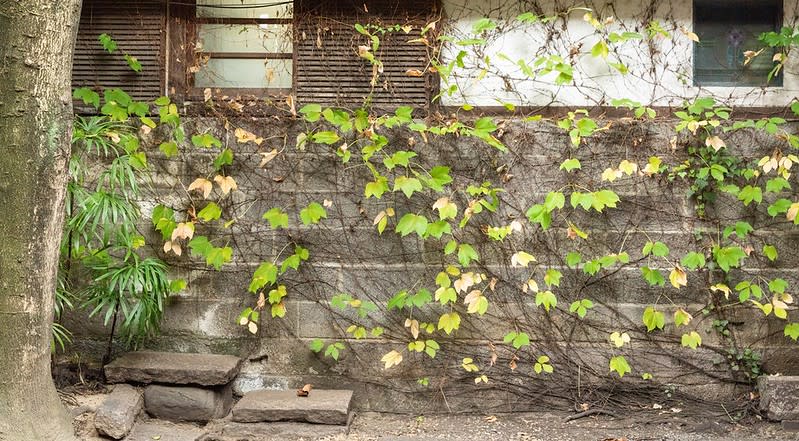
(619, 365)
(658, 249)
(217, 257)
(407, 185)
(619, 339)
(581, 307)
(393, 358)
(571, 164)
(223, 159)
(206, 140)
(313, 213)
(312, 112)
(728, 257)
(552, 277)
(653, 276)
(681, 317)
(546, 299)
(522, 259)
(604, 199)
(317, 345)
(169, 149)
(600, 49)
(210, 213)
(693, 260)
(325, 137)
(776, 185)
(412, 223)
(678, 278)
(779, 206)
(691, 340)
(438, 229)
(439, 177)
(276, 218)
(653, 319)
(108, 43)
(376, 188)
(449, 322)
(87, 95)
(517, 339)
(446, 208)
(573, 259)
(538, 214)
(750, 194)
(467, 254)
(792, 331)
(770, 251)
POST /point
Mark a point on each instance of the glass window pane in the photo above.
(728, 29)
(243, 9)
(245, 73)
(274, 38)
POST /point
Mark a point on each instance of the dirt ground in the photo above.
(640, 425)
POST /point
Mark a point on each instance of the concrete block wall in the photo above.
(348, 256)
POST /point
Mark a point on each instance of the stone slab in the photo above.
(186, 403)
(117, 415)
(164, 431)
(227, 430)
(779, 397)
(320, 407)
(173, 368)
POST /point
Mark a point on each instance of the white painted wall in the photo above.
(662, 79)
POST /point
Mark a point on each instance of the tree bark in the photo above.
(36, 43)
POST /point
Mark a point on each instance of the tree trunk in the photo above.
(36, 43)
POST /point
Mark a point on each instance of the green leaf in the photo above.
(217, 257)
(652, 276)
(224, 158)
(776, 185)
(581, 307)
(770, 251)
(573, 259)
(792, 331)
(312, 112)
(728, 257)
(169, 149)
(108, 43)
(693, 260)
(517, 339)
(210, 213)
(658, 249)
(206, 140)
(449, 322)
(538, 214)
(266, 274)
(619, 365)
(87, 95)
(407, 185)
(779, 206)
(546, 299)
(604, 199)
(313, 213)
(552, 277)
(467, 254)
(653, 319)
(439, 177)
(412, 223)
(317, 345)
(177, 285)
(276, 218)
(750, 194)
(138, 160)
(376, 188)
(326, 137)
(450, 247)
(778, 286)
(691, 340)
(438, 229)
(554, 200)
(571, 164)
(483, 24)
(600, 49)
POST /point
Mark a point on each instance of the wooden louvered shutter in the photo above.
(138, 28)
(329, 70)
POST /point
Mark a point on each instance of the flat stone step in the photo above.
(319, 407)
(779, 397)
(173, 368)
(160, 430)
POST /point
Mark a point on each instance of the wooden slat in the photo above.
(137, 27)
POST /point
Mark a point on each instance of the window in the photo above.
(244, 45)
(138, 28)
(728, 28)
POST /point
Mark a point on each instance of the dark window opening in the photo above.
(726, 30)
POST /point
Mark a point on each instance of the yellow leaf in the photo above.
(226, 183)
(678, 278)
(203, 185)
(243, 137)
(414, 325)
(252, 327)
(414, 73)
(521, 259)
(267, 156)
(715, 142)
(206, 94)
(793, 211)
(184, 230)
(465, 282)
(723, 288)
(610, 174)
(393, 358)
(628, 167)
(691, 36)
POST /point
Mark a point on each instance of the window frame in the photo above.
(779, 21)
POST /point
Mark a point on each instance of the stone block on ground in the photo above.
(227, 430)
(116, 416)
(779, 397)
(319, 407)
(164, 431)
(186, 403)
(173, 368)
